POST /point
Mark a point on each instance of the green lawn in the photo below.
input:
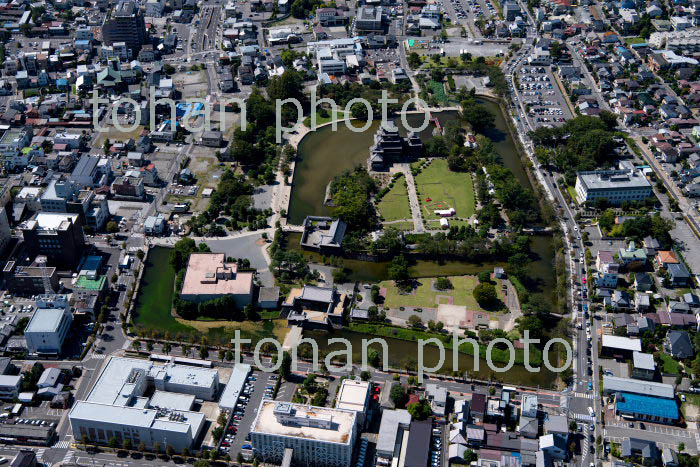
(670, 366)
(425, 296)
(634, 40)
(572, 193)
(321, 120)
(400, 225)
(439, 91)
(155, 297)
(445, 189)
(394, 205)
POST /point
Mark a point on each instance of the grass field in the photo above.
(224, 331)
(155, 297)
(445, 189)
(439, 91)
(321, 120)
(394, 205)
(670, 366)
(400, 225)
(634, 40)
(425, 296)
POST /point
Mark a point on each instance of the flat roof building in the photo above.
(47, 331)
(319, 436)
(209, 276)
(617, 186)
(234, 387)
(613, 384)
(57, 236)
(354, 395)
(10, 386)
(117, 407)
(391, 431)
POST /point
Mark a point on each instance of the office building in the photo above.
(318, 436)
(57, 236)
(392, 429)
(369, 18)
(125, 24)
(354, 395)
(617, 186)
(10, 386)
(47, 330)
(116, 407)
(209, 276)
(29, 279)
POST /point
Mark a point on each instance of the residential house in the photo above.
(678, 344)
(678, 275)
(643, 282)
(643, 366)
(666, 257)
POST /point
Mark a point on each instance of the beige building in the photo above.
(209, 276)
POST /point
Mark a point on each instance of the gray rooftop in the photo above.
(233, 388)
(317, 294)
(392, 421)
(45, 320)
(613, 179)
(644, 361)
(634, 386)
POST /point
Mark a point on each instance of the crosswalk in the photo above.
(584, 417)
(61, 445)
(98, 356)
(584, 448)
(40, 453)
(584, 395)
(68, 457)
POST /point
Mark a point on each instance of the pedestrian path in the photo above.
(68, 457)
(584, 395)
(584, 417)
(61, 445)
(98, 356)
(40, 453)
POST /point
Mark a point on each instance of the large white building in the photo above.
(10, 386)
(617, 186)
(117, 408)
(354, 395)
(318, 436)
(47, 330)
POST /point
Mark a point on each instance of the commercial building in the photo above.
(29, 280)
(648, 408)
(392, 429)
(57, 236)
(37, 435)
(613, 384)
(318, 436)
(437, 395)
(354, 395)
(617, 186)
(369, 18)
(643, 366)
(117, 408)
(125, 24)
(418, 444)
(621, 347)
(209, 276)
(47, 330)
(10, 386)
(234, 387)
(314, 307)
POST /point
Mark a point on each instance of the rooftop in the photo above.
(342, 422)
(644, 361)
(209, 274)
(392, 421)
(613, 179)
(647, 405)
(45, 320)
(624, 343)
(352, 395)
(635, 386)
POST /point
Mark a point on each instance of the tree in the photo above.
(420, 410)
(217, 433)
(142, 446)
(26, 29)
(156, 447)
(127, 444)
(398, 395)
(286, 366)
(112, 227)
(203, 463)
(114, 442)
(222, 354)
(414, 60)
(136, 345)
(414, 321)
(365, 375)
(478, 116)
(398, 269)
(310, 383)
(443, 283)
(203, 352)
(485, 295)
(169, 451)
(436, 147)
(167, 347)
(373, 357)
(229, 355)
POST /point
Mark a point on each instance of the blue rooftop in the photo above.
(647, 405)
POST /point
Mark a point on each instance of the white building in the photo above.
(393, 427)
(617, 186)
(319, 436)
(10, 386)
(117, 408)
(354, 395)
(47, 330)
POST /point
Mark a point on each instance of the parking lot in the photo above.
(539, 97)
(236, 439)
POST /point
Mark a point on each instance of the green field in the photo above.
(439, 91)
(634, 40)
(394, 205)
(445, 189)
(425, 296)
(321, 120)
(155, 297)
(400, 225)
(670, 366)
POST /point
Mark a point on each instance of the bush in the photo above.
(485, 295)
(443, 283)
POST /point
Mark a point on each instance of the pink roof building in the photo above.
(209, 276)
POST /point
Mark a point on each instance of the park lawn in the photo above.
(446, 189)
(221, 332)
(634, 40)
(498, 355)
(322, 120)
(399, 225)
(426, 297)
(394, 205)
(670, 366)
(438, 89)
(572, 192)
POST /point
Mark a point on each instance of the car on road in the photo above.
(590, 386)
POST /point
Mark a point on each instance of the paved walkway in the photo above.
(413, 198)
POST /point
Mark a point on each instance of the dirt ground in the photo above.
(191, 83)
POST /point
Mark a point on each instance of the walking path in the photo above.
(413, 198)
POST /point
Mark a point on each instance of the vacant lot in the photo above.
(440, 188)
(394, 205)
(426, 295)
